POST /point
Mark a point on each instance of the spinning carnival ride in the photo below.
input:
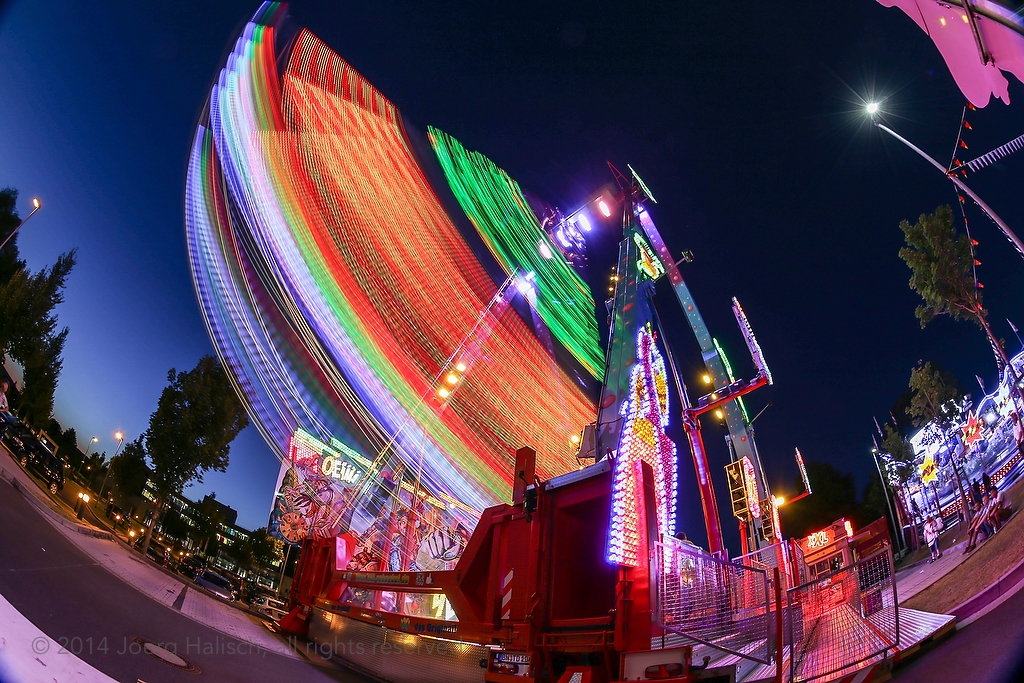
(405, 379)
(378, 355)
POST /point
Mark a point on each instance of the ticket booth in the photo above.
(827, 550)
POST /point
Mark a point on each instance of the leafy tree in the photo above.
(936, 396)
(938, 400)
(942, 266)
(129, 469)
(28, 326)
(35, 405)
(191, 430)
(835, 496)
(897, 456)
(208, 519)
(258, 551)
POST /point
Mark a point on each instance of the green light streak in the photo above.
(728, 371)
(499, 212)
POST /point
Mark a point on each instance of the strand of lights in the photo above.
(803, 471)
(643, 439)
(297, 185)
(748, 336)
(750, 486)
(499, 212)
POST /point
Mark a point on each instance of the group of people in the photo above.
(986, 519)
(985, 510)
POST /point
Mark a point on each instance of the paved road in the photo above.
(990, 650)
(72, 599)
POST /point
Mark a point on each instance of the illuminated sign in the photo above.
(643, 440)
(750, 484)
(849, 529)
(334, 459)
(929, 470)
(648, 263)
(819, 539)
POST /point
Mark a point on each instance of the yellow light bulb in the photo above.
(452, 379)
(461, 367)
(707, 379)
(443, 393)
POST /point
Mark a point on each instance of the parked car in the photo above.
(272, 607)
(49, 467)
(216, 584)
(191, 567)
(34, 454)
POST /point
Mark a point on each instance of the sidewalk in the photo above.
(170, 590)
(913, 579)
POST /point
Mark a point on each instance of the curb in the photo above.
(55, 517)
(1001, 587)
(50, 513)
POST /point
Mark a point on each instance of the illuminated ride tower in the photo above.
(643, 259)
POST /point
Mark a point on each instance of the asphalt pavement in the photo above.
(989, 650)
(93, 614)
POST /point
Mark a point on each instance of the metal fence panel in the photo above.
(711, 601)
(775, 556)
(843, 618)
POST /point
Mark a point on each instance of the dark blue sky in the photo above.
(742, 117)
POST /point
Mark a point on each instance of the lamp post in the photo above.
(35, 207)
(120, 440)
(872, 109)
(88, 448)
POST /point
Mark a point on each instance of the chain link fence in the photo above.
(711, 601)
(843, 618)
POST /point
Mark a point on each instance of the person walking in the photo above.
(931, 537)
(4, 386)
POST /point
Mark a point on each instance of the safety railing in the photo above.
(843, 618)
(772, 557)
(712, 601)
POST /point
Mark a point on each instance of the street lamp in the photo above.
(88, 448)
(120, 440)
(35, 207)
(872, 108)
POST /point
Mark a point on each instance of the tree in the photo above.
(129, 469)
(897, 456)
(197, 417)
(258, 551)
(942, 265)
(936, 396)
(835, 496)
(208, 519)
(42, 369)
(28, 326)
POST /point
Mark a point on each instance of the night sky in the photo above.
(743, 118)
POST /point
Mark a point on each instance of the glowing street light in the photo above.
(35, 207)
(872, 108)
(119, 435)
(88, 448)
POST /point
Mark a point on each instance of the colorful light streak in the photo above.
(643, 440)
(336, 289)
(499, 212)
